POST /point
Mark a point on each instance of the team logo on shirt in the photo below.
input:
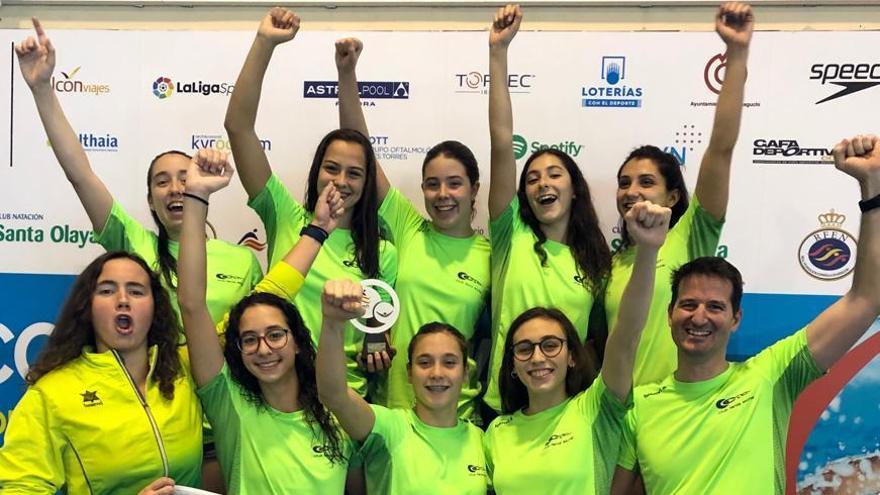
(557, 439)
(475, 470)
(830, 252)
(229, 279)
(320, 450)
(350, 263)
(506, 420)
(464, 278)
(729, 403)
(91, 399)
(656, 392)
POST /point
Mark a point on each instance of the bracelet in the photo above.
(197, 198)
(869, 204)
(315, 232)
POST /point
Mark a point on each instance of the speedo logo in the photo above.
(734, 401)
(851, 77)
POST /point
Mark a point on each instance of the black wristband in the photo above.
(869, 204)
(315, 232)
(197, 198)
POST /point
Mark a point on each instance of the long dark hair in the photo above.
(75, 330)
(365, 217)
(669, 167)
(316, 414)
(514, 395)
(167, 264)
(584, 237)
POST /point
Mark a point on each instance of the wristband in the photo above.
(315, 232)
(197, 198)
(869, 204)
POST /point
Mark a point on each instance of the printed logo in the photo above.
(394, 90)
(164, 87)
(251, 240)
(713, 78)
(217, 141)
(11, 215)
(475, 470)
(350, 263)
(851, 77)
(656, 392)
(729, 403)
(227, 278)
(464, 278)
(386, 149)
(610, 94)
(828, 253)
(91, 399)
(475, 82)
(70, 85)
(320, 450)
(522, 146)
(788, 152)
(58, 234)
(685, 140)
(557, 439)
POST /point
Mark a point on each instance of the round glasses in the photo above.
(551, 347)
(275, 339)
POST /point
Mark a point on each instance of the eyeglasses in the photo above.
(551, 347)
(275, 339)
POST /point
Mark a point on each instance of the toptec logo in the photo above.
(164, 87)
(391, 90)
(475, 82)
(522, 146)
(852, 77)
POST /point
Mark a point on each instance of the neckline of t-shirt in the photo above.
(703, 385)
(469, 238)
(546, 412)
(437, 429)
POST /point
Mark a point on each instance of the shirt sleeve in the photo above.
(400, 216)
(31, 459)
(388, 262)
(790, 364)
(121, 232)
(501, 232)
(699, 229)
(387, 433)
(628, 458)
(277, 208)
(218, 398)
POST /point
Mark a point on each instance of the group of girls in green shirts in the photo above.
(272, 362)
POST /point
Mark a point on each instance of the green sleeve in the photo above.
(388, 262)
(501, 232)
(628, 458)
(220, 399)
(401, 217)
(790, 364)
(605, 414)
(255, 271)
(121, 232)
(277, 209)
(387, 433)
(31, 457)
(701, 229)
(487, 452)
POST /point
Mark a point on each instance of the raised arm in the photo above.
(734, 23)
(340, 302)
(209, 171)
(278, 26)
(351, 113)
(647, 223)
(835, 331)
(502, 175)
(36, 58)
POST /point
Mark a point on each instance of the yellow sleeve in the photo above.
(282, 280)
(31, 458)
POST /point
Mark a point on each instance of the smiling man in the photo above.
(719, 427)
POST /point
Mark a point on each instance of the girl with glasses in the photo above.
(273, 435)
(553, 435)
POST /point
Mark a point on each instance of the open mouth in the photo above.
(444, 208)
(123, 324)
(175, 206)
(697, 333)
(546, 199)
(267, 365)
(540, 373)
(437, 388)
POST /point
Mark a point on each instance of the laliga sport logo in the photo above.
(377, 293)
(163, 87)
(830, 252)
(712, 73)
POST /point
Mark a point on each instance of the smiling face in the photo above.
(702, 318)
(449, 195)
(344, 164)
(543, 375)
(639, 180)
(549, 190)
(167, 183)
(122, 307)
(268, 365)
(437, 371)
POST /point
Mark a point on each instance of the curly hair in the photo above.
(514, 395)
(74, 328)
(317, 416)
(584, 237)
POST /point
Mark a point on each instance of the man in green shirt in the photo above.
(720, 427)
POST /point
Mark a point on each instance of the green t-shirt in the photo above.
(519, 283)
(266, 451)
(439, 278)
(722, 435)
(233, 271)
(283, 218)
(569, 448)
(694, 235)
(402, 455)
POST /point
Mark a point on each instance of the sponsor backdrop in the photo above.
(792, 217)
